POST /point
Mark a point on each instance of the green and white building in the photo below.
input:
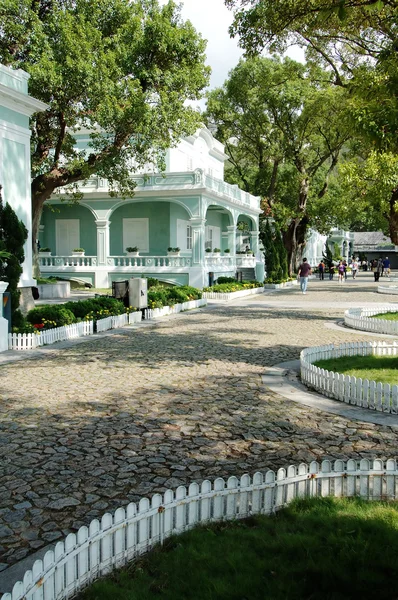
(189, 206)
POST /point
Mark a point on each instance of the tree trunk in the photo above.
(393, 217)
(42, 189)
(290, 242)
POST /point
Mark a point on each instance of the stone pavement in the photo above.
(98, 424)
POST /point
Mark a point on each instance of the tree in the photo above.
(370, 191)
(284, 132)
(354, 39)
(13, 235)
(120, 69)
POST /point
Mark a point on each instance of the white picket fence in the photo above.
(232, 295)
(352, 390)
(30, 341)
(155, 313)
(361, 318)
(121, 537)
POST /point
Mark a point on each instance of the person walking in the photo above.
(321, 269)
(340, 271)
(303, 273)
(345, 269)
(354, 267)
(331, 271)
(387, 266)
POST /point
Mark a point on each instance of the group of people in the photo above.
(379, 267)
(341, 268)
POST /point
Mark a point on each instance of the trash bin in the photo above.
(211, 278)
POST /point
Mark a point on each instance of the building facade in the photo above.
(189, 207)
(16, 106)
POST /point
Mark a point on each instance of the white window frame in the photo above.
(189, 237)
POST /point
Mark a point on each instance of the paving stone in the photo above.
(165, 406)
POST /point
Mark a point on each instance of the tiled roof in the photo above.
(370, 239)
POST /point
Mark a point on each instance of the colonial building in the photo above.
(189, 207)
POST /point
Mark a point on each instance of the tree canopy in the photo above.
(284, 130)
(120, 69)
(355, 40)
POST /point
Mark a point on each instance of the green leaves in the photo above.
(119, 71)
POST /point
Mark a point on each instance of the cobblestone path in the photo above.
(102, 423)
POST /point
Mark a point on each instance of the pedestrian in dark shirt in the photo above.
(303, 273)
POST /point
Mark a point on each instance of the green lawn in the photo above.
(392, 316)
(316, 549)
(376, 368)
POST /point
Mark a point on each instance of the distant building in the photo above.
(374, 244)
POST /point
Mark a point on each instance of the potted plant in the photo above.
(208, 250)
(78, 252)
(217, 250)
(132, 251)
(173, 251)
(45, 252)
(227, 251)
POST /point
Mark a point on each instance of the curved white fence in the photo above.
(361, 318)
(232, 295)
(120, 537)
(388, 289)
(352, 390)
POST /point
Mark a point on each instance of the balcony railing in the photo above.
(183, 180)
(68, 261)
(50, 263)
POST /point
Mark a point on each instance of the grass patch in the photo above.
(315, 549)
(376, 368)
(391, 316)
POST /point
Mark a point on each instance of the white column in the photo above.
(102, 241)
(3, 321)
(254, 242)
(232, 239)
(198, 274)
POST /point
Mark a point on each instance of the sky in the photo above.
(212, 19)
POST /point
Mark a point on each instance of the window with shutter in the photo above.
(136, 233)
(67, 236)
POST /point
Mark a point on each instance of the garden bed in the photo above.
(279, 286)
(358, 391)
(235, 289)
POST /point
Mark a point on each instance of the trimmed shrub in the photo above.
(226, 280)
(55, 315)
(96, 307)
(226, 288)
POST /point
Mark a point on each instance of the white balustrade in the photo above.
(149, 261)
(67, 261)
(132, 530)
(352, 390)
(361, 318)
